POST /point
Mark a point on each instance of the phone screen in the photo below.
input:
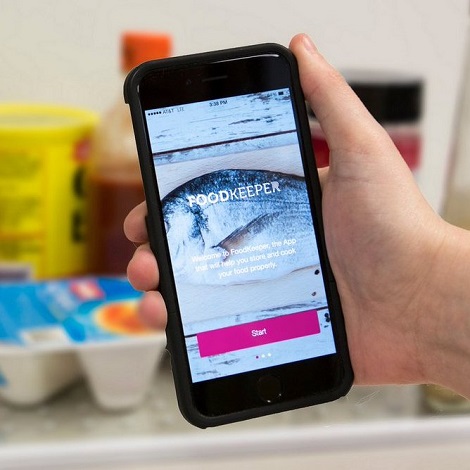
(240, 230)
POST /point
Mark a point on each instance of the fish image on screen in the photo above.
(232, 218)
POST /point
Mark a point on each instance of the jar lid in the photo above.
(20, 122)
(389, 97)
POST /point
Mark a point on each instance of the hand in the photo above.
(380, 232)
(142, 270)
(382, 238)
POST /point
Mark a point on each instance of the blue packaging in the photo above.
(85, 309)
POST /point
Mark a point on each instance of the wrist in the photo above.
(444, 329)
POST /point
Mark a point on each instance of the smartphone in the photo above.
(234, 218)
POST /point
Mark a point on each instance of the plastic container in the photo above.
(54, 333)
(395, 101)
(115, 185)
(43, 150)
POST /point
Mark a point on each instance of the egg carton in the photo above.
(55, 333)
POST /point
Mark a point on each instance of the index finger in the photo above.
(134, 224)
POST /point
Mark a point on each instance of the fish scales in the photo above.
(233, 217)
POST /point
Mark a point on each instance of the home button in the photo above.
(269, 388)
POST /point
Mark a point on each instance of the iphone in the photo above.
(234, 218)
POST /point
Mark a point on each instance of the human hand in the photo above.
(142, 270)
(380, 232)
(381, 235)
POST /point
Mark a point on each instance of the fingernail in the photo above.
(308, 44)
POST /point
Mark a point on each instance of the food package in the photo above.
(53, 333)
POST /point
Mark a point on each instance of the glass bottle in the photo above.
(114, 182)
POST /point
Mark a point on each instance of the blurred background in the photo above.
(68, 52)
(61, 60)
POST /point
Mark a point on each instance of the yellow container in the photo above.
(43, 152)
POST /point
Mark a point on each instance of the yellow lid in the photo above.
(20, 123)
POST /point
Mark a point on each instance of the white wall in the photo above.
(66, 51)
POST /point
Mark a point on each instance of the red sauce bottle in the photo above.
(114, 181)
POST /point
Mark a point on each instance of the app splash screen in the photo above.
(240, 233)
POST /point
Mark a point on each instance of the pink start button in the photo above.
(248, 335)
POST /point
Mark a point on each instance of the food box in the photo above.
(54, 333)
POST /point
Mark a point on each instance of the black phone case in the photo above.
(156, 231)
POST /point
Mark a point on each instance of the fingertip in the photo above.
(134, 224)
(142, 270)
(305, 41)
(152, 310)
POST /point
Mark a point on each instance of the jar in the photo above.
(395, 101)
(43, 153)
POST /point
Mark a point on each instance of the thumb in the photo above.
(347, 124)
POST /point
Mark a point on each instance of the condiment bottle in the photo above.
(114, 181)
(395, 101)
